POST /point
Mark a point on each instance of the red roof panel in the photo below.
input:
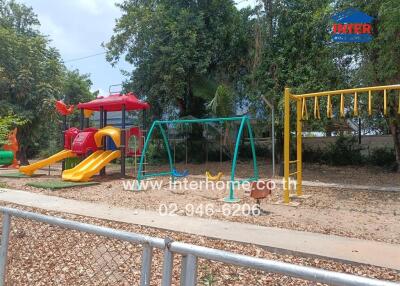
(115, 102)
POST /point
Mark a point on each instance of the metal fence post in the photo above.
(189, 270)
(272, 131)
(5, 237)
(167, 264)
(145, 273)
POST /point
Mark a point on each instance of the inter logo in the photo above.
(351, 26)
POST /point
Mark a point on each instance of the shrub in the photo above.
(383, 157)
(345, 151)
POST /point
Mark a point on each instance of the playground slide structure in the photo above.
(30, 169)
(90, 166)
(99, 159)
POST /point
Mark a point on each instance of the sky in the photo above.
(77, 28)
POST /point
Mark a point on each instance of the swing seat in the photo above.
(214, 178)
(175, 173)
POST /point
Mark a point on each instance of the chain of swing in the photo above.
(207, 137)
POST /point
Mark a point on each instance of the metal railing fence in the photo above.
(190, 255)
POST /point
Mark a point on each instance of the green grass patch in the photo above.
(56, 184)
(18, 175)
(3, 185)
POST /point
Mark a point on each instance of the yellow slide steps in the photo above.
(30, 169)
(214, 178)
(90, 166)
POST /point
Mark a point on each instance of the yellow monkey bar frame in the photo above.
(302, 114)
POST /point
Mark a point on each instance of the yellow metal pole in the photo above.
(329, 107)
(384, 102)
(398, 111)
(355, 104)
(349, 91)
(286, 147)
(299, 149)
(304, 112)
(369, 102)
(342, 105)
(317, 114)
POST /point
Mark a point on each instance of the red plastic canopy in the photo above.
(115, 102)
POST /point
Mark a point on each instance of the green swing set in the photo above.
(244, 122)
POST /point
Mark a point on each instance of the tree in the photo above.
(223, 105)
(7, 123)
(19, 18)
(291, 48)
(76, 89)
(379, 60)
(180, 50)
(30, 75)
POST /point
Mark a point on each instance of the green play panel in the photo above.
(18, 175)
(56, 184)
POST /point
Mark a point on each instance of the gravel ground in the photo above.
(352, 213)
(46, 255)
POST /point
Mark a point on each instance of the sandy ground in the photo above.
(353, 213)
(40, 254)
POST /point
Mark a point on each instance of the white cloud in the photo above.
(65, 42)
(95, 7)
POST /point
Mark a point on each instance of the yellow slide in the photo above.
(90, 166)
(30, 169)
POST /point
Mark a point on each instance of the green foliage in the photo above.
(222, 105)
(76, 89)
(177, 45)
(3, 185)
(345, 151)
(30, 74)
(296, 53)
(17, 17)
(378, 61)
(7, 123)
(32, 77)
(156, 153)
(383, 157)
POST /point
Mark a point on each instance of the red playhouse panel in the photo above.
(84, 142)
(134, 131)
(69, 136)
(115, 102)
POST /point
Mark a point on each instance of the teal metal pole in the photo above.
(253, 150)
(202, 120)
(231, 198)
(146, 144)
(166, 143)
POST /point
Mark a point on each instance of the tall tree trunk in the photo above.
(22, 156)
(395, 131)
(268, 6)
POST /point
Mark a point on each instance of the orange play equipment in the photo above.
(63, 109)
(8, 155)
